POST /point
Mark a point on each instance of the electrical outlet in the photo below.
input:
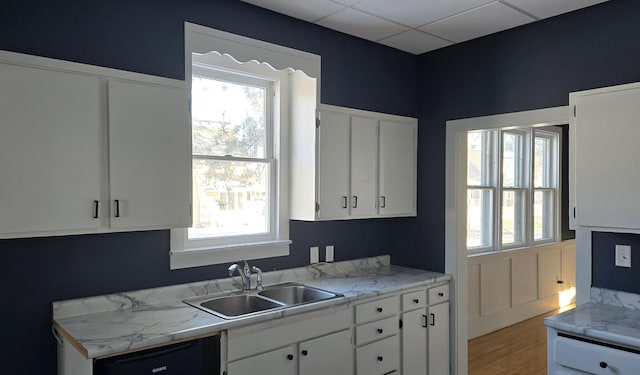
(623, 256)
(328, 254)
(314, 255)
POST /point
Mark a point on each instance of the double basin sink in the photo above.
(271, 298)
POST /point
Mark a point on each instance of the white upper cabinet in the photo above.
(356, 164)
(50, 146)
(86, 149)
(604, 158)
(149, 156)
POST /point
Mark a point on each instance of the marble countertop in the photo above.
(112, 324)
(611, 316)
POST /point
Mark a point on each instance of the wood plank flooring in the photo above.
(520, 349)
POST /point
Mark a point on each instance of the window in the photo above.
(512, 188)
(242, 100)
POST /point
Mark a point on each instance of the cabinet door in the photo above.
(397, 169)
(331, 354)
(606, 154)
(282, 362)
(333, 165)
(149, 156)
(364, 162)
(414, 342)
(438, 344)
(49, 150)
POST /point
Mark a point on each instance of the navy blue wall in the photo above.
(530, 67)
(147, 36)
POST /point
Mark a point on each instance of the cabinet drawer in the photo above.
(595, 359)
(376, 330)
(438, 294)
(281, 361)
(379, 358)
(414, 300)
(377, 309)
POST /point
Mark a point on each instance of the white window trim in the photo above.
(202, 40)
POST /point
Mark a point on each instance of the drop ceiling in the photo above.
(419, 26)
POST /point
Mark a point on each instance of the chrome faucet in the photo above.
(258, 278)
(244, 272)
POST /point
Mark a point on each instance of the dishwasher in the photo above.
(195, 357)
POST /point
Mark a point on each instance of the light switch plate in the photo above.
(314, 255)
(328, 255)
(623, 256)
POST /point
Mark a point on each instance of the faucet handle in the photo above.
(258, 278)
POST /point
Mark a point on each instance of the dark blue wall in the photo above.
(147, 36)
(530, 67)
(605, 274)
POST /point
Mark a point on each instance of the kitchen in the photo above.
(531, 67)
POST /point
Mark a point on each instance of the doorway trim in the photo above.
(456, 209)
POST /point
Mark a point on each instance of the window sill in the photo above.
(230, 253)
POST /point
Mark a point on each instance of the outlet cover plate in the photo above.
(328, 255)
(314, 255)
(623, 256)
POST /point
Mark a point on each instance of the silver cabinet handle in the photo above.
(383, 201)
(117, 207)
(344, 201)
(96, 206)
(355, 201)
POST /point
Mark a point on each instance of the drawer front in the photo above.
(414, 300)
(378, 358)
(595, 359)
(376, 330)
(438, 294)
(378, 309)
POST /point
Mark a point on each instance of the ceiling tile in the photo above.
(415, 42)
(550, 8)
(478, 22)
(360, 24)
(307, 10)
(416, 13)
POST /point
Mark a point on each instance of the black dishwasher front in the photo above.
(196, 357)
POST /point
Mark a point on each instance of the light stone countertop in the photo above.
(106, 325)
(611, 316)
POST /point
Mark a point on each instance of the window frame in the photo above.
(524, 186)
(238, 54)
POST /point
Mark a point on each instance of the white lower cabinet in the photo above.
(425, 332)
(330, 354)
(377, 336)
(572, 355)
(281, 361)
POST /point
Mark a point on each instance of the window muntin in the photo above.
(512, 188)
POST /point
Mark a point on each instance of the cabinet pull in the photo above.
(380, 330)
(96, 205)
(415, 300)
(379, 309)
(441, 294)
(117, 207)
(604, 364)
(344, 201)
(384, 201)
(433, 319)
(304, 353)
(424, 324)
(355, 201)
(290, 357)
(380, 358)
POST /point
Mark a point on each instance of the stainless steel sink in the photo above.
(273, 297)
(295, 294)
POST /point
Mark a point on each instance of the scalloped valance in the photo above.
(203, 40)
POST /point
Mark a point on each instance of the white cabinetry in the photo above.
(604, 153)
(310, 344)
(362, 165)
(86, 149)
(377, 337)
(573, 355)
(425, 331)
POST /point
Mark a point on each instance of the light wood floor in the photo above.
(520, 349)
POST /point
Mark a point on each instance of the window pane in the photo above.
(513, 217)
(543, 215)
(479, 218)
(542, 162)
(512, 159)
(230, 198)
(478, 158)
(228, 118)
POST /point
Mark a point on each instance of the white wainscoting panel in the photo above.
(495, 286)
